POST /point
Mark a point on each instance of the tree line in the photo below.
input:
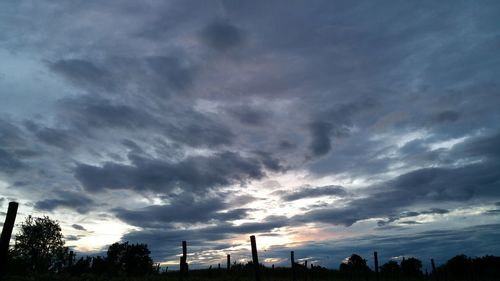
(40, 248)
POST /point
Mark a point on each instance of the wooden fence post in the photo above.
(306, 270)
(181, 267)
(255, 258)
(292, 260)
(184, 254)
(184, 265)
(311, 274)
(272, 272)
(375, 258)
(434, 271)
(6, 234)
(228, 264)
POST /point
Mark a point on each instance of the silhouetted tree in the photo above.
(411, 267)
(390, 269)
(40, 245)
(133, 259)
(355, 266)
(486, 268)
(459, 267)
(81, 266)
(99, 265)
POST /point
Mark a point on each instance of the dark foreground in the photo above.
(448, 272)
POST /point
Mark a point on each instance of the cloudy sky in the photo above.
(324, 127)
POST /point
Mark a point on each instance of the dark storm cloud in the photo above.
(51, 136)
(156, 76)
(486, 146)
(446, 116)
(12, 147)
(200, 131)
(10, 134)
(320, 133)
(82, 73)
(312, 192)
(334, 123)
(194, 210)
(429, 185)
(90, 114)
(270, 162)
(411, 214)
(248, 115)
(222, 35)
(78, 227)
(70, 200)
(9, 162)
(171, 71)
(286, 145)
(409, 222)
(330, 88)
(193, 173)
(493, 212)
(268, 224)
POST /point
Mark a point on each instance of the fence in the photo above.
(183, 264)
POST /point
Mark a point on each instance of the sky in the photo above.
(323, 127)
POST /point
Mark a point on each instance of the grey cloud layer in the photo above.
(424, 186)
(192, 174)
(170, 97)
(312, 192)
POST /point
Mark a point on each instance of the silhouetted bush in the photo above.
(462, 267)
(411, 267)
(132, 259)
(355, 268)
(390, 270)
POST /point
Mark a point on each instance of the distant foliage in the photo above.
(354, 262)
(411, 267)
(130, 258)
(354, 267)
(39, 245)
(390, 269)
(462, 267)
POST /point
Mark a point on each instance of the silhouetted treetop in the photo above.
(133, 259)
(354, 263)
(411, 267)
(40, 245)
(390, 268)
